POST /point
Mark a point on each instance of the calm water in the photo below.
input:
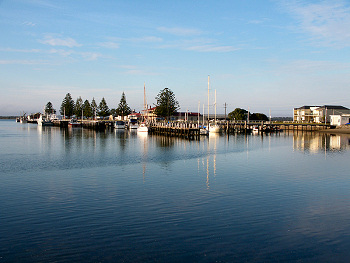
(79, 195)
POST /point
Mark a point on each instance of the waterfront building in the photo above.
(317, 114)
(339, 120)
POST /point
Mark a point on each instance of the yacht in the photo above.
(142, 128)
(133, 124)
(119, 125)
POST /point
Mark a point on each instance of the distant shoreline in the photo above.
(8, 117)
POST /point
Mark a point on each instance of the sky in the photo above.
(261, 55)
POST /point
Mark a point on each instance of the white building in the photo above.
(339, 120)
(318, 114)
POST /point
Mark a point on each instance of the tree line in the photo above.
(70, 108)
(242, 115)
(166, 106)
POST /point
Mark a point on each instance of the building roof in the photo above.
(335, 107)
(305, 107)
(329, 107)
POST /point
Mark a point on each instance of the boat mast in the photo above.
(215, 106)
(144, 100)
(208, 99)
(199, 105)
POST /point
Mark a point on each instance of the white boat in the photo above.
(44, 122)
(142, 128)
(74, 123)
(203, 131)
(133, 124)
(214, 128)
(255, 129)
(119, 125)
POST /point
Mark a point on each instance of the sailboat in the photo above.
(214, 128)
(203, 130)
(143, 127)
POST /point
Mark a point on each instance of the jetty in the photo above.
(192, 130)
(185, 130)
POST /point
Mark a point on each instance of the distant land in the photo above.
(8, 117)
(273, 118)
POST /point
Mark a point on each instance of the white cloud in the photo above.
(28, 23)
(20, 50)
(149, 39)
(110, 44)
(61, 52)
(67, 42)
(326, 21)
(90, 55)
(22, 62)
(179, 31)
(212, 48)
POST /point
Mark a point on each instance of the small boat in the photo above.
(203, 130)
(119, 125)
(255, 129)
(133, 124)
(214, 128)
(23, 120)
(74, 123)
(142, 128)
(44, 122)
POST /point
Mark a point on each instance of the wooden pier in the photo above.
(244, 127)
(189, 131)
(192, 130)
(88, 124)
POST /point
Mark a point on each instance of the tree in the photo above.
(67, 106)
(93, 106)
(123, 108)
(78, 106)
(238, 114)
(103, 109)
(166, 104)
(87, 109)
(258, 117)
(49, 108)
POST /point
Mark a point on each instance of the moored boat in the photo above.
(74, 123)
(119, 125)
(133, 124)
(214, 128)
(142, 128)
(44, 122)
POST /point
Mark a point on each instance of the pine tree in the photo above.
(103, 109)
(49, 108)
(78, 106)
(123, 108)
(167, 104)
(67, 106)
(93, 107)
(87, 109)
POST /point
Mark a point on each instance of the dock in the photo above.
(191, 130)
(184, 130)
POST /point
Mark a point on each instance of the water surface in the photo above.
(80, 195)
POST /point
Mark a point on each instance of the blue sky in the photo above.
(262, 55)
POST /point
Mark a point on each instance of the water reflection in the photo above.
(143, 138)
(320, 142)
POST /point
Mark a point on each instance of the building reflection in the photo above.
(320, 142)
